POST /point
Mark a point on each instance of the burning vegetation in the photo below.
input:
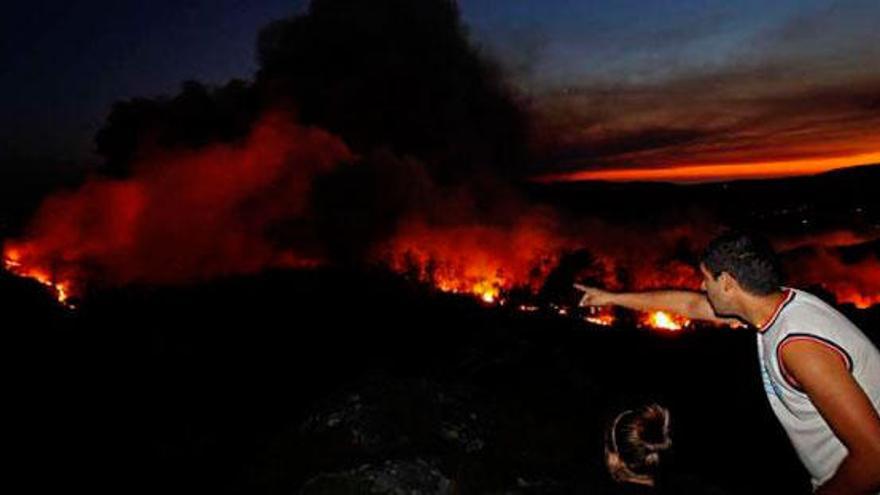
(343, 152)
(60, 289)
(482, 260)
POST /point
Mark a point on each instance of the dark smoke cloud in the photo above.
(400, 74)
(197, 116)
(439, 133)
(397, 80)
(395, 74)
(428, 128)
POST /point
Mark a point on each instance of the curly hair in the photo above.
(749, 258)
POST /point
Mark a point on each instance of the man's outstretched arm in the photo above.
(690, 304)
(846, 408)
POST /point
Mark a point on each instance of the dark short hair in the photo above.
(748, 257)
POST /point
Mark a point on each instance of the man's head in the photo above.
(736, 263)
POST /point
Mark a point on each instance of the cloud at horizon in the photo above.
(715, 91)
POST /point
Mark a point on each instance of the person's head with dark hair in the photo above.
(636, 442)
(738, 265)
(747, 257)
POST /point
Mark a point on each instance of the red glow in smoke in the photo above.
(185, 215)
(854, 283)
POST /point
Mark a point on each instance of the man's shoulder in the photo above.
(805, 308)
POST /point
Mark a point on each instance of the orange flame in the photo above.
(602, 316)
(480, 260)
(864, 302)
(661, 320)
(601, 320)
(62, 290)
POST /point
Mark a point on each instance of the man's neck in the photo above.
(759, 309)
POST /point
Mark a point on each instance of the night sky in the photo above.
(690, 89)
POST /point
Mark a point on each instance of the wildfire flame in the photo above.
(487, 290)
(600, 316)
(657, 320)
(488, 295)
(61, 289)
(482, 261)
(601, 320)
(662, 320)
(864, 302)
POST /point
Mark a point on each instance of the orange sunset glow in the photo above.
(717, 172)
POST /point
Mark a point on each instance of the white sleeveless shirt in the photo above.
(803, 316)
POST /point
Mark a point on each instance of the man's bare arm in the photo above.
(846, 408)
(690, 304)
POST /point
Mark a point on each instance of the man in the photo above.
(821, 373)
